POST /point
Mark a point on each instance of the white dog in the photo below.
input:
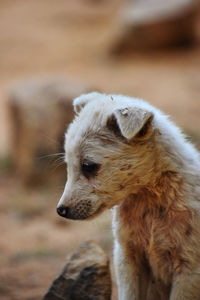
(124, 153)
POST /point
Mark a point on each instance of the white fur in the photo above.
(93, 111)
(107, 104)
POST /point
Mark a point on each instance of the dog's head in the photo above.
(109, 153)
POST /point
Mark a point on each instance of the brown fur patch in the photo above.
(156, 220)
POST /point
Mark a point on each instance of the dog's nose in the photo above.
(63, 211)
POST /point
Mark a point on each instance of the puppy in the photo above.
(125, 154)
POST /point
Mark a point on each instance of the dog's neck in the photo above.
(162, 202)
(158, 197)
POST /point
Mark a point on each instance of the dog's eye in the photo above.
(90, 169)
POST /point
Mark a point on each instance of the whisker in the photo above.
(61, 154)
(53, 160)
(59, 160)
(57, 166)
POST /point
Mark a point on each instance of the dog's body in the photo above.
(124, 153)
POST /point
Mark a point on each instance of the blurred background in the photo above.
(50, 52)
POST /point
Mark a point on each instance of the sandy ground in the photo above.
(73, 38)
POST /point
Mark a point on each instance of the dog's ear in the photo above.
(131, 122)
(82, 100)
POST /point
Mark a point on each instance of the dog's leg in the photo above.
(127, 281)
(186, 287)
(132, 283)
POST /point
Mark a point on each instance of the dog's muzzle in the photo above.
(73, 213)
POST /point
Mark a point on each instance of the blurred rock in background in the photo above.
(40, 110)
(150, 24)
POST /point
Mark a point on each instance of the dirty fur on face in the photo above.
(125, 154)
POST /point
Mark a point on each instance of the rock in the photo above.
(145, 24)
(40, 110)
(85, 276)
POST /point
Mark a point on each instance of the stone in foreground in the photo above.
(86, 276)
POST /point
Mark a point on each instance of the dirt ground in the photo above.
(73, 38)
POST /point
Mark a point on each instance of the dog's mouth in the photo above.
(74, 213)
